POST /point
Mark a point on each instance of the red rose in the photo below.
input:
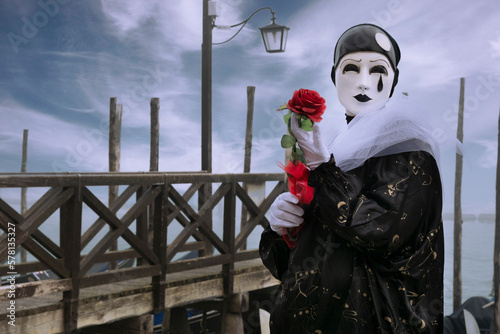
(310, 106)
(307, 102)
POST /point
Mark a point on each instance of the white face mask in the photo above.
(364, 81)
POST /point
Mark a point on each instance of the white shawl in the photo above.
(394, 129)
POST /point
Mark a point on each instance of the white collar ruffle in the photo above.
(394, 129)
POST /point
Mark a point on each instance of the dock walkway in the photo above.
(79, 297)
(133, 298)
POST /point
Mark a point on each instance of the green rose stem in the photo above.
(289, 140)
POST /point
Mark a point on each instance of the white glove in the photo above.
(310, 143)
(285, 213)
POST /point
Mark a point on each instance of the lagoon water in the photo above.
(477, 261)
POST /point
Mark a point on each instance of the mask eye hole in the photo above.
(379, 69)
(350, 68)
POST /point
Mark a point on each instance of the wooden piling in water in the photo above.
(496, 254)
(115, 125)
(155, 135)
(24, 205)
(457, 230)
(249, 129)
(154, 158)
(248, 150)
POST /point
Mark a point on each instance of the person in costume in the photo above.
(369, 257)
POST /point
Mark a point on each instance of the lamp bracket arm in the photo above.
(243, 23)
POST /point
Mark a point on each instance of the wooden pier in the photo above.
(78, 297)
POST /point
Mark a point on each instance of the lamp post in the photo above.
(274, 37)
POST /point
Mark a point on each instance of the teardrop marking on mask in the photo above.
(380, 85)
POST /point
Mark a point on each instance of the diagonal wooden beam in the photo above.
(30, 224)
(258, 211)
(183, 205)
(193, 189)
(27, 226)
(36, 206)
(97, 226)
(37, 235)
(31, 246)
(120, 227)
(197, 222)
(176, 214)
(247, 201)
(9, 212)
(203, 212)
(108, 216)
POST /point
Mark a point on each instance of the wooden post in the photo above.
(231, 318)
(248, 135)
(155, 135)
(70, 240)
(160, 247)
(204, 195)
(115, 124)
(154, 148)
(496, 255)
(24, 205)
(206, 116)
(206, 90)
(229, 239)
(457, 235)
(175, 321)
(248, 151)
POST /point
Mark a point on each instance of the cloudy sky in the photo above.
(62, 60)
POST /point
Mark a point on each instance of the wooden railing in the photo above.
(156, 205)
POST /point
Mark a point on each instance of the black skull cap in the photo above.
(367, 37)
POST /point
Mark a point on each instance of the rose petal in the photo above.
(307, 102)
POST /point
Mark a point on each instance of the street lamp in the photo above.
(274, 37)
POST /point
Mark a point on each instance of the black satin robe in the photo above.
(370, 255)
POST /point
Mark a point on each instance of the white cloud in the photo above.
(495, 45)
(64, 146)
(178, 22)
(488, 158)
(128, 15)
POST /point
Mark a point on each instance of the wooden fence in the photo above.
(156, 203)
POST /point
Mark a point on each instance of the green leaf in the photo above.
(286, 118)
(303, 158)
(297, 155)
(306, 124)
(287, 141)
(294, 156)
(289, 124)
(283, 107)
